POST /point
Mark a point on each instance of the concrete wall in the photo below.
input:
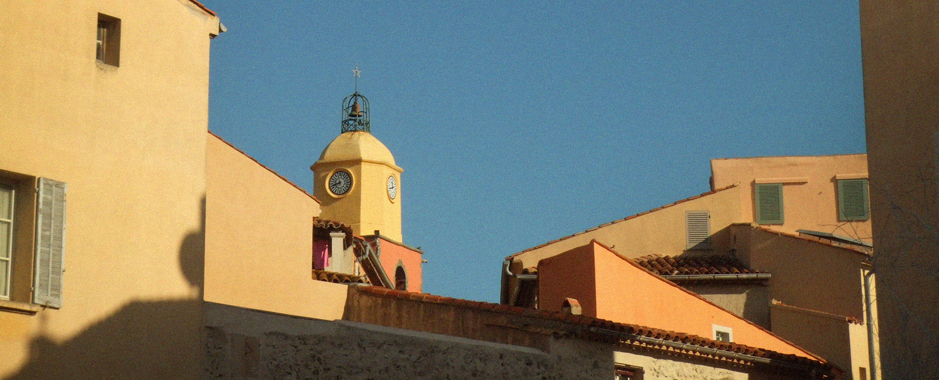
(900, 43)
(805, 273)
(661, 368)
(130, 143)
(810, 190)
(259, 239)
(749, 301)
(247, 344)
(629, 294)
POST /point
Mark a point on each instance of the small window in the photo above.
(627, 372)
(108, 50)
(723, 333)
(853, 200)
(698, 229)
(401, 278)
(769, 203)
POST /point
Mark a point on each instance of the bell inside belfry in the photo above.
(356, 110)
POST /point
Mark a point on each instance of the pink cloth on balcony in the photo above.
(320, 254)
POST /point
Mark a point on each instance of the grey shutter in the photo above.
(698, 229)
(769, 203)
(853, 199)
(50, 243)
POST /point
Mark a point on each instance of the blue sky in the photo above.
(519, 124)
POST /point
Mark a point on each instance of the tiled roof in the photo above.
(339, 278)
(690, 265)
(203, 7)
(265, 167)
(591, 327)
(624, 219)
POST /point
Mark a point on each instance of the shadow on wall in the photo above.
(141, 340)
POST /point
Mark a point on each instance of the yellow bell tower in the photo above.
(356, 178)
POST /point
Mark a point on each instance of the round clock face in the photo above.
(392, 187)
(340, 182)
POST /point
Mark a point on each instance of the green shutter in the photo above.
(853, 200)
(50, 243)
(769, 203)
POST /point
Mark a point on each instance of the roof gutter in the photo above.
(705, 350)
(720, 277)
(508, 295)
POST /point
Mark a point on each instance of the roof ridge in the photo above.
(712, 192)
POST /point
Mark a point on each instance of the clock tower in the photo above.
(356, 178)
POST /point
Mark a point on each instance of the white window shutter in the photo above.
(698, 229)
(50, 243)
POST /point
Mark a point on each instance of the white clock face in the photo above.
(340, 182)
(392, 187)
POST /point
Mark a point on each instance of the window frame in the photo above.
(108, 40)
(26, 242)
(865, 200)
(718, 329)
(627, 372)
(759, 197)
(693, 230)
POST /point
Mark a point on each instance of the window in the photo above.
(401, 278)
(769, 203)
(32, 241)
(853, 200)
(7, 194)
(722, 333)
(698, 229)
(108, 50)
(627, 372)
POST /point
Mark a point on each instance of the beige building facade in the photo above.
(122, 245)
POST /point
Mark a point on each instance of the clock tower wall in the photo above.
(372, 201)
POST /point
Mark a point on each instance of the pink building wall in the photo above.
(394, 254)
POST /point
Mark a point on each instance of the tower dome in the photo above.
(356, 146)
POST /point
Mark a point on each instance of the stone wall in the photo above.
(248, 344)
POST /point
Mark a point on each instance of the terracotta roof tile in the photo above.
(624, 219)
(690, 265)
(591, 322)
(339, 278)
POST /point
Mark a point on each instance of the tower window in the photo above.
(401, 278)
(108, 42)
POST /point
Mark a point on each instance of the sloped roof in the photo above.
(624, 219)
(824, 241)
(601, 329)
(689, 265)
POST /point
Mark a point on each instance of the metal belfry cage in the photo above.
(355, 115)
